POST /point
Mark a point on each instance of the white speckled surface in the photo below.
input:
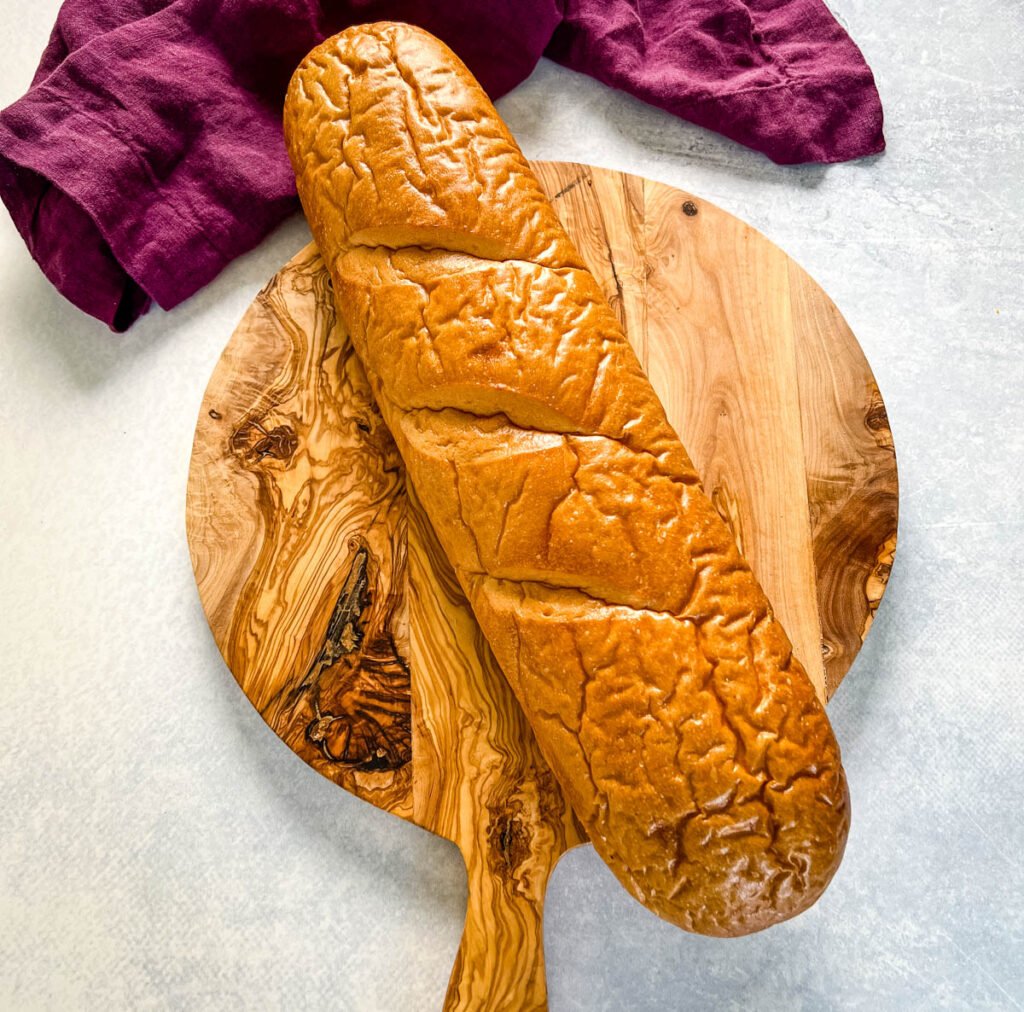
(159, 848)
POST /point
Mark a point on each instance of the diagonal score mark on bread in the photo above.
(661, 688)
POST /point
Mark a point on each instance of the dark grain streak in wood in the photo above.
(569, 186)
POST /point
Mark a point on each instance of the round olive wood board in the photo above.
(342, 621)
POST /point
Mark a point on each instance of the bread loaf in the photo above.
(662, 689)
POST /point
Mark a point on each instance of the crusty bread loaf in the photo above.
(662, 690)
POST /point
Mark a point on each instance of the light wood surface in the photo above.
(342, 621)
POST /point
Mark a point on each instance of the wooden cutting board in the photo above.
(340, 617)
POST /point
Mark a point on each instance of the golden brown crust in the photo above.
(662, 690)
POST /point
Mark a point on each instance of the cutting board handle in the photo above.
(500, 962)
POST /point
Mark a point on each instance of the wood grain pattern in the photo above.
(297, 516)
(341, 619)
(850, 464)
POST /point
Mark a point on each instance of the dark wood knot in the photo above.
(255, 443)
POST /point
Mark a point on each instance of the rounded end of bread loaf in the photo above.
(794, 889)
(744, 880)
(394, 144)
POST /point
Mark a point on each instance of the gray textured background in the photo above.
(159, 848)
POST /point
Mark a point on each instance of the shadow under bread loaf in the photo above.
(661, 688)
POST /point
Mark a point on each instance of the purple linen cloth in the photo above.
(148, 152)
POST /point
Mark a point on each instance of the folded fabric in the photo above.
(147, 153)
